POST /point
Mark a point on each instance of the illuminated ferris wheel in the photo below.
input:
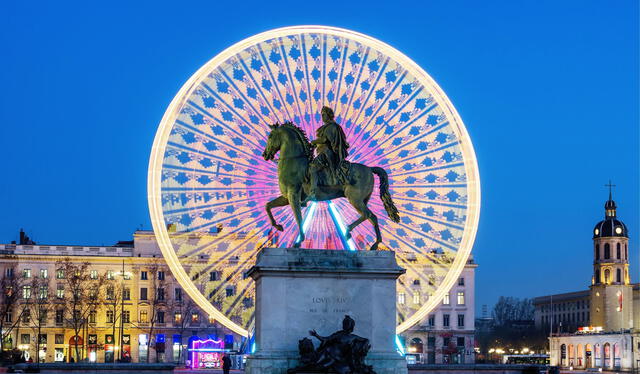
(208, 183)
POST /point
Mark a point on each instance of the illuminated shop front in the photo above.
(206, 353)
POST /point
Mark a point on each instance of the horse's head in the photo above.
(273, 143)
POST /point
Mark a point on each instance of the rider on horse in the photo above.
(332, 146)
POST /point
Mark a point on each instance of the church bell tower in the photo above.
(611, 292)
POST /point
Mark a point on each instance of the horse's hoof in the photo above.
(374, 247)
(348, 236)
(278, 227)
(297, 244)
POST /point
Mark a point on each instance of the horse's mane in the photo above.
(302, 136)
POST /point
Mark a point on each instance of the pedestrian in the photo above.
(226, 364)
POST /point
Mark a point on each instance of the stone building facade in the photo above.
(136, 268)
(447, 334)
(600, 327)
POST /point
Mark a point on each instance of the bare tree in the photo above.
(11, 286)
(39, 308)
(83, 293)
(183, 308)
(113, 302)
(157, 300)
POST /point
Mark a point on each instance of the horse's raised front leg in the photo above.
(277, 202)
(294, 202)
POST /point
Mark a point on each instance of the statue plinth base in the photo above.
(298, 290)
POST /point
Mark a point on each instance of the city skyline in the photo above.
(84, 96)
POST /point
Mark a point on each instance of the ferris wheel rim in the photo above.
(154, 185)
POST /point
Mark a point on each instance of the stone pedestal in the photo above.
(302, 289)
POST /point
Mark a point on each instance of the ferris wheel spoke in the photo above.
(371, 91)
(256, 87)
(256, 112)
(222, 122)
(274, 83)
(289, 84)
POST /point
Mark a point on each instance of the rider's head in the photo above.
(348, 324)
(327, 114)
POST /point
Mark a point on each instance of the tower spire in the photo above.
(610, 205)
(610, 186)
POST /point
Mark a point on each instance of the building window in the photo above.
(92, 316)
(126, 294)
(44, 273)
(460, 281)
(597, 255)
(178, 294)
(59, 339)
(618, 276)
(60, 274)
(432, 320)
(144, 316)
(607, 251)
(9, 272)
(43, 292)
(160, 317)
(26, 292)
(213, 276)
(401, 298)
(416, 282)
(446, 300)
(26, 273)
(93, 274)
(177, 317)
(460, 299)
(460, 341)
(618, 251)
(25, 339)
(143, 293)
(110, 316)
(59, 316)
(230, 291)
(143, 275)
(445, 320)
(161, 275)
(110, 293)
(607, 276)
(26, 316)
(460, 320)
(416, 297)
(126, 316)
(195, 317)
(160, 293)
(110, 275)
(126, 275)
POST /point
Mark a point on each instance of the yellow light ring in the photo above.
(164, 130)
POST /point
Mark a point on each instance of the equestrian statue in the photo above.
(303, 178)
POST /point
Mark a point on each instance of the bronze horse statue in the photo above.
(296, 152)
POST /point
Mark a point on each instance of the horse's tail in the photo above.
(389, 206)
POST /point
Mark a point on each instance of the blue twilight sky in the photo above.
(548, 91)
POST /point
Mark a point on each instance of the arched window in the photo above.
(597, 277)
(597, 252)
(607, 251)
(618, 251)
(618, 276)
(626, 253)
(607, 276)
(416, 345)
